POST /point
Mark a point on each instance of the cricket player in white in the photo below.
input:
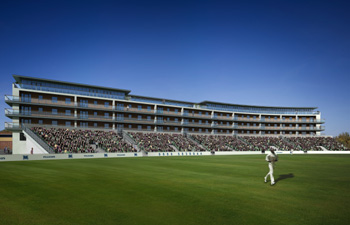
(271, 158)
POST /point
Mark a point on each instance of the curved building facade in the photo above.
(43, 102)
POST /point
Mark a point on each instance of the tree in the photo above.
(344, 138)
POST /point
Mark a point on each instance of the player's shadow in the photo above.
(284, 176)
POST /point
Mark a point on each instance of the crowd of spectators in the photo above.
(163, 142)
(64, 140)
(313, 143)
(263, 143)
(212, 142)
(257, 143)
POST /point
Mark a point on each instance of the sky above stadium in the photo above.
(268, 53)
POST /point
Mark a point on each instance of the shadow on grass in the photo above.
(284, 176)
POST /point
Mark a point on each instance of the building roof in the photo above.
(254, 106)
(19, 78)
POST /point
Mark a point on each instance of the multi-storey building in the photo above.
(43, 102)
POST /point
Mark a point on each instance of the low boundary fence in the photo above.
(28, 157)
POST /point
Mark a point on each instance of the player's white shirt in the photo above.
(272, 158)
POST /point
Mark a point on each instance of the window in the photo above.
(120, 117)
(40, 109)
(139, 107)
(176, 129)
(84, 114)
(199, 121)
(26, 97)
(130, 116)
(149, 118)
(120, 106)
(95, 124)
(54, 99)
(68, 100)
(106, 125)
(54, 122)
(40, 97)
(83, 124)
(106, 115)
(54, 111)
(149, 108)
(139, 127)
(68, 112)
(68, 123)
(106, 104)
(84, 103)
(176, 110)
(139, 117)
(95, 114)
(95, 102)
(148, 127)
(176, 120)
(130, 126)
(40, 121)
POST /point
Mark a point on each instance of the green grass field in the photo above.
(310, 189)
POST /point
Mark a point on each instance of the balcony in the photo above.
(192, 124)
(278, 128)
(12, 126)
(170, 113)
(278, 121)
(168, 122)
(134, 120)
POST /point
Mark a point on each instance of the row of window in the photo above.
(70, 89)
(260, 109)
(120, 106)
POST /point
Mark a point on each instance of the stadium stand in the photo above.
(155, 142)
(64, 140)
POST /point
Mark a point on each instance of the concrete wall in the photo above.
(19, 147)
(31, 143)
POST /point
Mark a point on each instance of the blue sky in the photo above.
(270, 53)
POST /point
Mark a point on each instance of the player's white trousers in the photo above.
(270, 173)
